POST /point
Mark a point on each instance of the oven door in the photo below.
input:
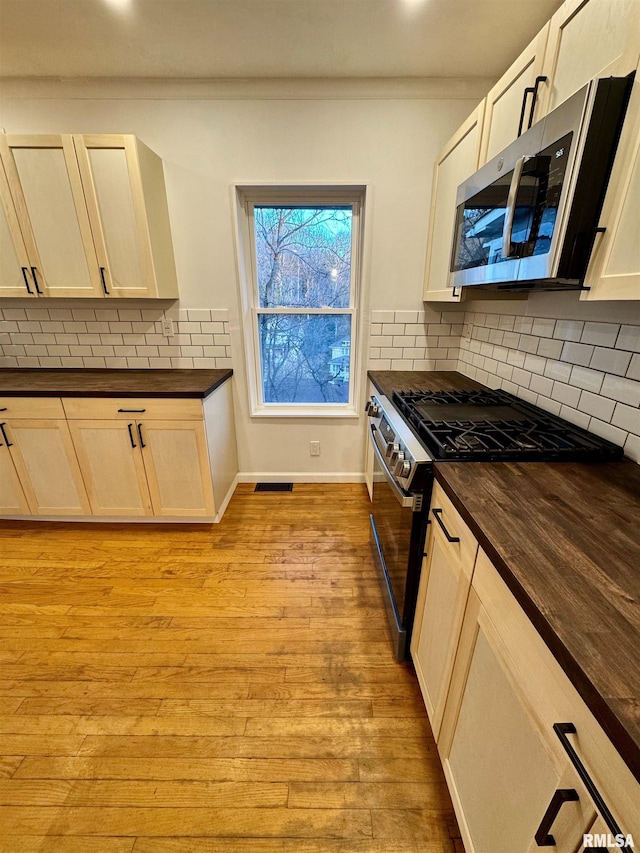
(397, 533)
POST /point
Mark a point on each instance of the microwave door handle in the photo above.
(406, 501)
(511, 206)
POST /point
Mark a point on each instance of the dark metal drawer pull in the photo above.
(436, 514)
(26, 280)
(35, 280)
(133, 444)
(135, 411)
(562, 795)
(4, 435)
(562, 730)
(142, 444)
(530, 90)
(104, 283)
(4, 410)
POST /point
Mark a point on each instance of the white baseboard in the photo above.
(301, 477)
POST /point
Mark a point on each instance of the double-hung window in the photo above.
(302, 261)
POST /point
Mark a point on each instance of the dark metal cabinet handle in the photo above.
(129, 427)
(436, 514)
(530, 90)
(34, 272)
(4, 435)
(562, 795)
(26, 280)
(103, 280)
(562, 730)
(133, 411)
(142, 444)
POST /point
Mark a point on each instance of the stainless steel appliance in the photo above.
(416, 428)
(529, 217)
(402, 481)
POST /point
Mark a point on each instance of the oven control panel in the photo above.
(403, 455)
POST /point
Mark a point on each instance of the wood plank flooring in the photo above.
(219, 688)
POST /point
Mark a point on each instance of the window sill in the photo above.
(284, 411)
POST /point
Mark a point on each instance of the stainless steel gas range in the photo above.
(417, 428)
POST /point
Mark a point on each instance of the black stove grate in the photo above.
(496, 426)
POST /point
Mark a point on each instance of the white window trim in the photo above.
(245, 198)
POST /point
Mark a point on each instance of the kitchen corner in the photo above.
(558, 549)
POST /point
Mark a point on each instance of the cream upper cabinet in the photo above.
(614, 268)
(587, 39)
(445, 581)
(15, 273)
(124, 187)
(84, 216)
(43, 179)
(457, 160)
(506, 100)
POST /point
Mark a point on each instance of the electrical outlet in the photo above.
(167, 327)
(468, 331)
(314, 448)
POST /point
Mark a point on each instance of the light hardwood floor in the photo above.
(218, 689)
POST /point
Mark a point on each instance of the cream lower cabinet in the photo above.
(503, 761)
(143, 457)
(46, 477)
(445, 581)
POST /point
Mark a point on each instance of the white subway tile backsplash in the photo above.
(627, 418)
(577, 353)
(583, 377)
(587, 372)
(568, 330)
(632, 447)
(624, 390)
(406, 316)
(109, 337)
(610, 360)
(600, 334)
(633, 371)
(597, 406)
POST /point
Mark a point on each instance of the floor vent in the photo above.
(274, 487)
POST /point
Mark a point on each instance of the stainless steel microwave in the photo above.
(528, 218)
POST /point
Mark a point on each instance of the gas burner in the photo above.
(493, 426)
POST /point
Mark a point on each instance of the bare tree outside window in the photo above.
(303, 269)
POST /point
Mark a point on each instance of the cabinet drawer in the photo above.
(31, 407)
(454, 525)
(95, 408)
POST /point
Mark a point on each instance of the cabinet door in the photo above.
(44, 180)
(176, 462)
(501, 772)
(12, 498)
(614, 268)
(457, 160)
(124, 188)
(444, 586)
(505, 100)
(588, 38)
(15, 273)
(46, 463)
(112, 467)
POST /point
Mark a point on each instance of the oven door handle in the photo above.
(405, 500)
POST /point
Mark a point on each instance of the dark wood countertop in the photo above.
(101, 382)
(565, 537)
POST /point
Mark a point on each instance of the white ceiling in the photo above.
(265, 38)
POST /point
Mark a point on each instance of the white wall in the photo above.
(207, 142)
